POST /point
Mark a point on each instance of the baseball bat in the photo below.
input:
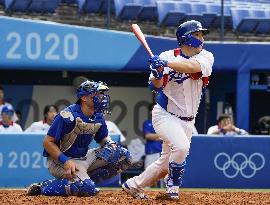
(139, 34)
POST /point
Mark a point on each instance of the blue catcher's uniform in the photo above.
(73, 131)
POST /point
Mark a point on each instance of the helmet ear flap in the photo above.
(182, 39)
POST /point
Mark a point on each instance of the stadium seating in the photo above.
(170, 13)
(206, 17)
(242, 20)
(127, 9)
(39, 6)
(263, 21)
(89, 6)
(69, 1)
(149, 10)
(17, 5)
(243, 16)
(196, 10)
(104, 6)
(43, 6)
(216, 8)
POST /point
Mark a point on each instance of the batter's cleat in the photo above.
(34, 190)
(172, 192)
(135, 193)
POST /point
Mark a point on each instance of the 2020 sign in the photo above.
(34, 46)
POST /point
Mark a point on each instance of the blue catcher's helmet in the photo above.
(184, 33)
(98, 90)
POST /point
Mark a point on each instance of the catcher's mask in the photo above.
(98, 90)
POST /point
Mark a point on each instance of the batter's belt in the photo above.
(183, 118)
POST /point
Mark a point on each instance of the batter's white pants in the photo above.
(176, 135)
(150, 158)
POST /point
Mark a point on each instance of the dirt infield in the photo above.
(117, 197)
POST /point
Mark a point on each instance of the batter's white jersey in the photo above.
(14, 127)
(39, 126)
(182, 94)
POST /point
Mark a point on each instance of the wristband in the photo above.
(62, 158)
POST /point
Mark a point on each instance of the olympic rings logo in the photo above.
(239, 163)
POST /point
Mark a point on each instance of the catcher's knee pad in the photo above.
(82, 188)
(113, 167)
(54, 187)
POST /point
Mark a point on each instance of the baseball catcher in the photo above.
(75, 167)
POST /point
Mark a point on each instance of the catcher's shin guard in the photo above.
(64, 187)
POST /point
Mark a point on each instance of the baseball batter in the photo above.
(75, 167)
(179, 76)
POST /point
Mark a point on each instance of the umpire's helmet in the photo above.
(184, 33)
(101, 100)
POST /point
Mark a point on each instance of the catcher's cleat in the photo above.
(33, 190)
(136, 193)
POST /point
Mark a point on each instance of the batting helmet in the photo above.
(100, 99)
(184, 33)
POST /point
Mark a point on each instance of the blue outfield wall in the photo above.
(228, 162)
(214, 162)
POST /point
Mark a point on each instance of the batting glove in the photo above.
(156, 66)
(157, 62)
(156, 73)
(153, 59)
